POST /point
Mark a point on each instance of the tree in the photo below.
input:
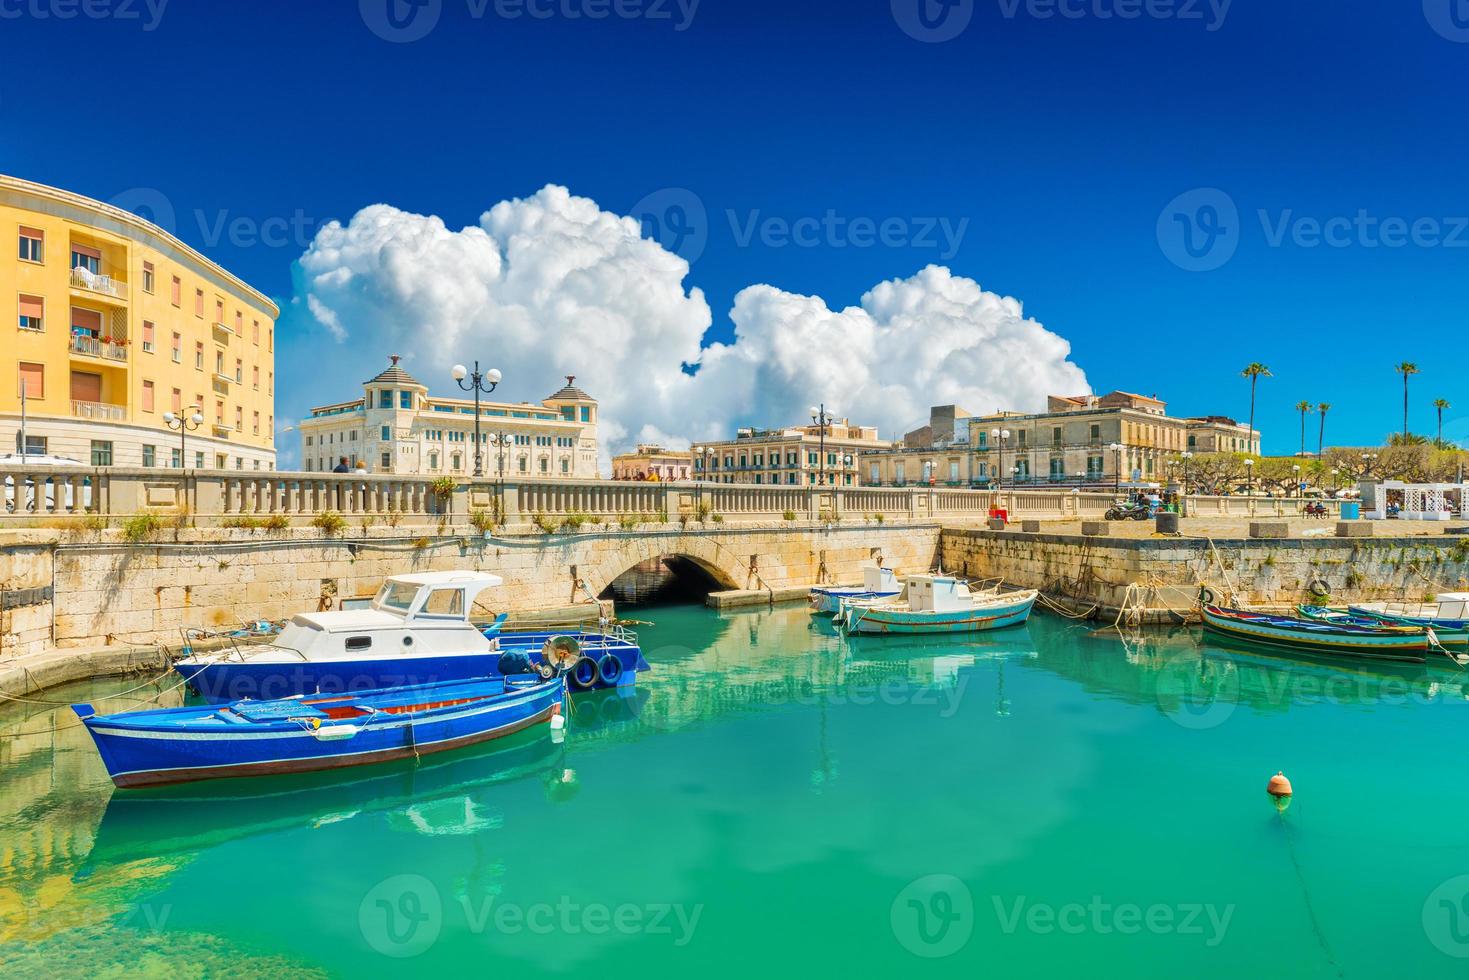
(1304, 407)
(1407, 369)
(1441, 404)
(1321, 410)
(1254, 371)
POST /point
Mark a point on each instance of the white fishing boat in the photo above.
(939, 604)
(877, 584)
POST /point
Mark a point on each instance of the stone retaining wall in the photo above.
(1266, 573)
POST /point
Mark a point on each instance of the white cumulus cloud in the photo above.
(552, 284)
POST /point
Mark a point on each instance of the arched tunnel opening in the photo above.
(662, 581)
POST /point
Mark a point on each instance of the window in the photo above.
(953, 471)
(148, 336)
(455, 460)
(568, 412)
(405, 399)
(565, 466)
(433, 461)
(176, 348)
(586, 413)
(1056, 436)
(239, 371)
(444, 602)
(219, 412)
(874, 475)
(147, 396)
(359, 643)
(176, 401)
(545, 465)
(176, 458)
(32, 312)
(32, 380)
(221, 461)
(524, 464)
(270, 336)
(198, 355)
(35, 445)
(149, 456)
(255, 377)
(32, 244)
(199, 460)
(254, 331)
(387, 461)
(270, 382)
(175, 292)
(255, 422)
(101, 452)
(239, 322)
(385, 398)
(219, 312)
(147, 277)
(239, 419)
(199, 302)
(84, 257)
(239, 462)
(387, 433)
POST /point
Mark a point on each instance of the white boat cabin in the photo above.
(876, 579)
(937, 593)
(419, 615)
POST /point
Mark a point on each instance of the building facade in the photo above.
(118, 323)
(653, 463)
(802, 455)
(937, 454)
(1119, 437)
(398, 427)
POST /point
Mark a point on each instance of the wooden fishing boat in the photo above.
(1316, 637)
(1448, 611)
(1344, 617)
(307, 734)
(877, 584)
(939, 604)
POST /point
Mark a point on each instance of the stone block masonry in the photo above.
(1267, 573)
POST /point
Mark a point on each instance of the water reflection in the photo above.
(751, 726)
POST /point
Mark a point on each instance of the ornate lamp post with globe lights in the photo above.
(1000, 435)
(183, 423)
(475, 381)
(822, 418)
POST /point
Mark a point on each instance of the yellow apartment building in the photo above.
(118, 323)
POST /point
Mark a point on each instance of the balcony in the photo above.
(101, 411)
(222, 430)
(82, 343)
(222, 333)
(96, 284)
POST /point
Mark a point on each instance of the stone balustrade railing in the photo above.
(216, 496)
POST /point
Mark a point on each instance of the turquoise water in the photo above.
(775, 799)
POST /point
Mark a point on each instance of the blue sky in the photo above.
(1060, 145)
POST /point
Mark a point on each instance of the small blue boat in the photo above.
(1316, 637)
(1447, 611)
(417, 630)
(308, 734)
(939, 604)
(877, 584)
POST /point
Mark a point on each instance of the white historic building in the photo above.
(398, 427)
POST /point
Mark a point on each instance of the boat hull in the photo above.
(1392, 619)
(1315, 637)
(222, 681)
(1446, 636)
(138, 751)
(876, 619)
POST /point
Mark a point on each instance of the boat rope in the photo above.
(46, 702)
(79, 723)
(1290, 847)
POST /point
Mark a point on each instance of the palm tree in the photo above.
(1321, 410)
(1407, 369)
(1255, 371)
(1441, 404)
(1303, 407)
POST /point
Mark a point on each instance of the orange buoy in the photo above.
(1279, 786)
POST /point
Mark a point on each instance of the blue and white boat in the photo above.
(877, 584)
(1448, 611)
(417, 630)
(308, 734)
(939, 604)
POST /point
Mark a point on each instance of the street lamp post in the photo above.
(183, 423)
(822, 418)
(475, 381)
(1117, 448)
(1000, 435)
(1185, 456)
(1250, 483)
(1296, 479)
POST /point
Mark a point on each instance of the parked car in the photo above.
(27, 496)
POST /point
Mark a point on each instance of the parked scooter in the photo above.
(1132, 510)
